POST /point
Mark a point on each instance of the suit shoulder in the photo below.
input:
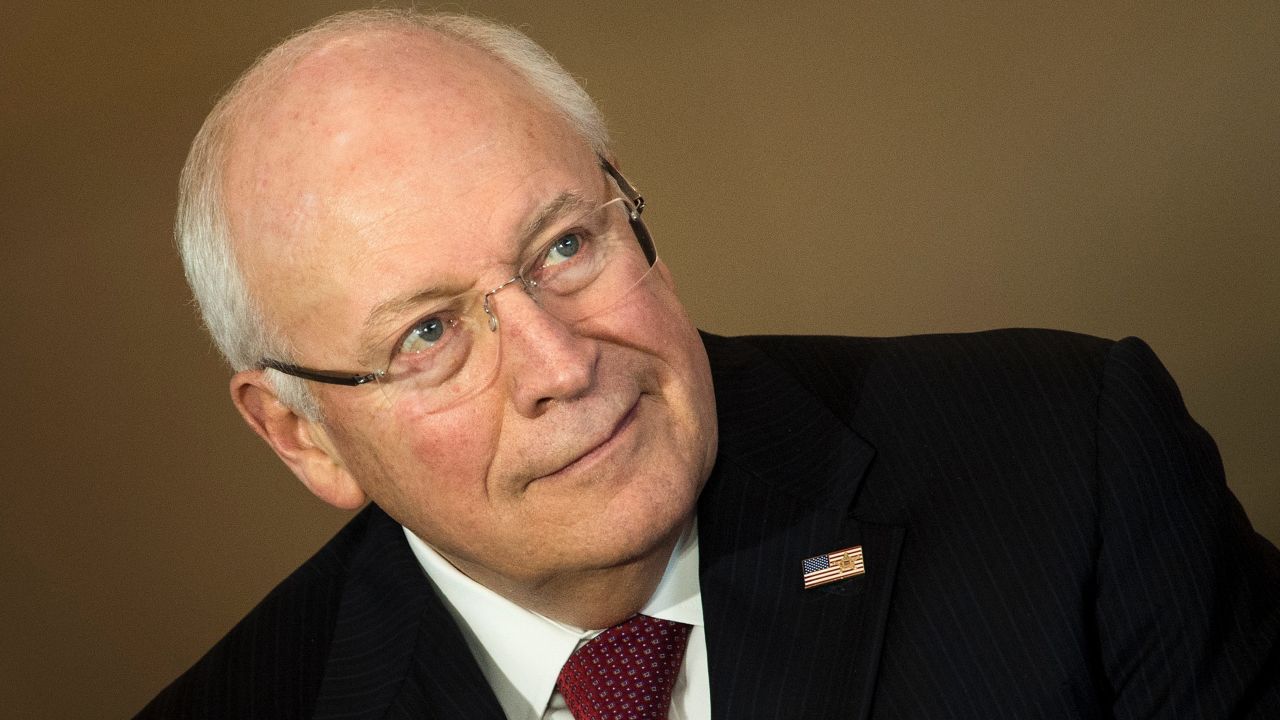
(846, 371)
(1055, 346)
(271, 663)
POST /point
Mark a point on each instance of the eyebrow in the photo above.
(387, 309)
(552, 211)
(381, 313)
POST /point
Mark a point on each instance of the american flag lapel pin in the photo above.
(833, 566)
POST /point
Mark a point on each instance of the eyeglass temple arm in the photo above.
(316, 375)
(637, 202)
(632, 194)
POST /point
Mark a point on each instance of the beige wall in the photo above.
(830, 168)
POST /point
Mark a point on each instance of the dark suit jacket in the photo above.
(1046, 531)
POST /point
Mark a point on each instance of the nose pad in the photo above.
(488, 308)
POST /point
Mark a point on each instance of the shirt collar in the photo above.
(678, 596)
(521, 652)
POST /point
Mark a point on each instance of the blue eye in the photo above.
(564, 248)
(424, 335)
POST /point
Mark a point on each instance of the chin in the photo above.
(637, 529)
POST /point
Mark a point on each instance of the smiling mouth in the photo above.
(591, 455)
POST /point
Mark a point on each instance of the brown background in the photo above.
(819, 167)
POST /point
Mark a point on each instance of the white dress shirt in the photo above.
(521, 652)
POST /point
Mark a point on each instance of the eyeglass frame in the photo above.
(337, 377)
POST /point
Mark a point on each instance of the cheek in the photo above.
(414, 464)
(447, 455)
(663, 327)
(650, 319)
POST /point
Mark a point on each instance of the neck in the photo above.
(589, 599)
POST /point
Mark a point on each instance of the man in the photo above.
(410, 238)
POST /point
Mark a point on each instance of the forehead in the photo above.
(370, 151)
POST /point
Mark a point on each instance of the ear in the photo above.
(302, 444)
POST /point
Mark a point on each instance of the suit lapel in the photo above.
(396, 652)
(784, 484)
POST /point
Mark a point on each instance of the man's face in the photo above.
(376, 175)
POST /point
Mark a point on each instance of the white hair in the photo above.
(236, 322)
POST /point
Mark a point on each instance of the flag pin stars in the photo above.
(835, 565)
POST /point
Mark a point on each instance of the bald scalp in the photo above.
(309, 126)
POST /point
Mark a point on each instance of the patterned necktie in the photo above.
(625, 672)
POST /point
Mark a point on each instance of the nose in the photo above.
(543, 359)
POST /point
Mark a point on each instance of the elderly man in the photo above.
(410, 238)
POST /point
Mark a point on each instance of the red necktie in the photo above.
(625, 672)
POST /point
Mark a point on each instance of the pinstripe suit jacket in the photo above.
(1047, 534)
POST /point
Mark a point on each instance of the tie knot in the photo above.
(626, 672)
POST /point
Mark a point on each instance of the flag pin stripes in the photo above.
(833, 566)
